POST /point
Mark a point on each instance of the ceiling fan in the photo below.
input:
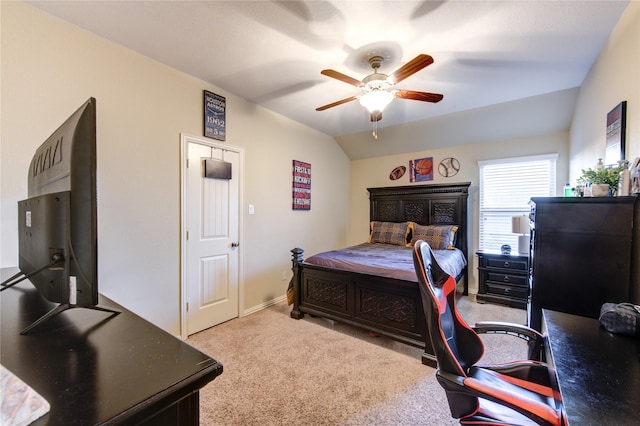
(377, 88)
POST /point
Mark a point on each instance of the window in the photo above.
(506, 186)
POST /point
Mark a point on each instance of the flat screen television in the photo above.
(57, 223)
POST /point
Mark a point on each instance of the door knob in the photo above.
(233, 245)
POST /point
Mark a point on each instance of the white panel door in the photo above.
(212, 241)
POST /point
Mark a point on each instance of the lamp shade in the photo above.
(520, 225)
(376, 100)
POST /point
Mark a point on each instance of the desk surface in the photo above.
(598, 372)
(92, 368)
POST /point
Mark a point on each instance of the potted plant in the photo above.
(603, 181)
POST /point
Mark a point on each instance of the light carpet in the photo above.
(278, 370)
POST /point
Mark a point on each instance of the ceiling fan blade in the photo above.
(342, 77)
(336, 103)
(418, 96)
(411, 67)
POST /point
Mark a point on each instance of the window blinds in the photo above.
(506, 186)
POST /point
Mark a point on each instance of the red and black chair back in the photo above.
(457, 347)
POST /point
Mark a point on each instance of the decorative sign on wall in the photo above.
(215, 119)
(421, 169)
(616, 123)
(397, 173)
(449, 167)
(301, 185)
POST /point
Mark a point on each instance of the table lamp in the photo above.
(520, 225)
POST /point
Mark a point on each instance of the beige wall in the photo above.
(614, 77)
(375, 172)
(49, 68)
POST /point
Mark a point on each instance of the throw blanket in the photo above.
(386, 260)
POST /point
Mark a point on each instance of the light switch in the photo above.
(251, 209)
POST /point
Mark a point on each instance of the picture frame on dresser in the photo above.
(615, 134)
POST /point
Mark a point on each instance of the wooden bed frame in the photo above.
(385, 306)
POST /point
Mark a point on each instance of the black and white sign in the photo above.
(215, 108)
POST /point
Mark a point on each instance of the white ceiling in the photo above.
(272, 52)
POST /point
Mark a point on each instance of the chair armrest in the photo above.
(535, 340)
(518, 330)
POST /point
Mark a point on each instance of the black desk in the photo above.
(94, 369)
(598, 372)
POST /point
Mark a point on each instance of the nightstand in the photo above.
(503, 278)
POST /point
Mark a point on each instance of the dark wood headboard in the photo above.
(435, 204)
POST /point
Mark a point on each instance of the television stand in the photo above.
(20, 276)
(63, 307)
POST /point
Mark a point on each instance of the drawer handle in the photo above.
(506, 279)
(506, 291)
(506, 264)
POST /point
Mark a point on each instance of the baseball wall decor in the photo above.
(449, 167)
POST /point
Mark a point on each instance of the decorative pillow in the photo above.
(439, 237)
(389, 233)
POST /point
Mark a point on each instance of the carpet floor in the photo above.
(313, 371)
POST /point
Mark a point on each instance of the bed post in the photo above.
(296, 280)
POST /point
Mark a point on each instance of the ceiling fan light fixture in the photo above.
(376, 100)
(378, 89)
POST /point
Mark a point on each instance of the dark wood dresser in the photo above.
(503, 278)
(584, 252)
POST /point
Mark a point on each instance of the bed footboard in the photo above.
(387, 307)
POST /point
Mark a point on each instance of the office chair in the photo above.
(516, 393)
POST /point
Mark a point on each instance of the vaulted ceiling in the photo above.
(271, 52)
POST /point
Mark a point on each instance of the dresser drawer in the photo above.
(512, 264)
(507, 278)
(506, 290)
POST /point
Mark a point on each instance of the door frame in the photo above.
(185, 140)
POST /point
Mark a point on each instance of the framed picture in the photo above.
(421, 169)
(634, 177)
(301, 185)
(215, 119)
(616, 125)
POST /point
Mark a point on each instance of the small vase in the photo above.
(600, 189)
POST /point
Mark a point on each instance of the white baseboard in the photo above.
(264, 305)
